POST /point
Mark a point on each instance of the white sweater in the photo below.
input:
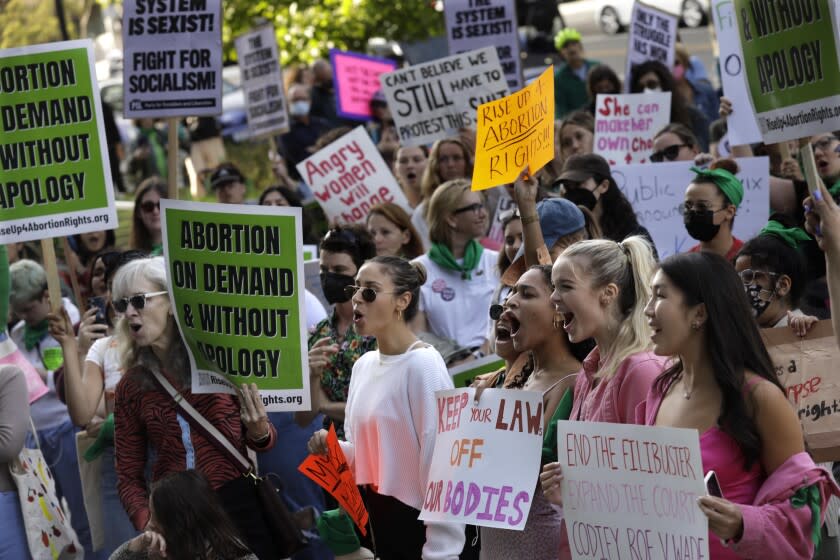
(390, 425)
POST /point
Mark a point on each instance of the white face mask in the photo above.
(652, 90)
(299, 108)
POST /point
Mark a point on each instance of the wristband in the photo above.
(530, 219)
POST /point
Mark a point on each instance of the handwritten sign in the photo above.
(262, 82)
(434, 100)
(486, 458)
(356, 80)
(513, 132)
(741, 126)
(806, 367)
(473, 24)
(332, 473)
(656, 192)
(631, 491)
(653, 36)
(625, 125)
(349, 177)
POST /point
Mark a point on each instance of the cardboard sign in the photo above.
(741, 126)
(55, 179)
(463, 375)
(173, 58)
(807, 368)
(434, 100)
(652, 36)
(235, 276)
(657, 190)
(356, 80)
(513, 132)
(332, 473)
(625, 125)
(791, 62)
(486, 459)
(474, 24)
(262, 82)
(631, 491)
(349, 177)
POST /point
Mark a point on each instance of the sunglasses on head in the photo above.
(368, 294)
(137, 301)
(670, 153)
(149, 206)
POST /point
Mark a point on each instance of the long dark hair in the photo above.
(189, 516)
(679, 106)
(618, 219)
(733, 341)
(140, 237)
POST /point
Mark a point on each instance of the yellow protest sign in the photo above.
(515, 131)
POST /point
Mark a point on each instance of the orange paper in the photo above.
(332, 473)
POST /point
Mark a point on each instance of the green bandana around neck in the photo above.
(33, 335)
(792, 236)
(442, 256)
(728, 183)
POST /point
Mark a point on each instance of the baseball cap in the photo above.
(580, 168)
(225, 173)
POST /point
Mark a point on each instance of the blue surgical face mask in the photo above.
(299, 108)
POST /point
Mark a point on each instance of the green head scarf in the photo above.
(728, 183)
(792, 236)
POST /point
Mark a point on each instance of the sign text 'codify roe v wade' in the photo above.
(236, 277)
(486, 458)
(54, 173)
(630, 492)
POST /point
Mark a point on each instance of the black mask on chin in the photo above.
(333, 285)
(581, 197)
(700, 225)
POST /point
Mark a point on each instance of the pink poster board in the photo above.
(356, 80)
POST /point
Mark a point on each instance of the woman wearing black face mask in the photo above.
(711, 201)
(334, 345)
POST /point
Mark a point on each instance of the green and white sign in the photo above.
(54, 174)
(464, 374)
(235, 276)
(791, 62)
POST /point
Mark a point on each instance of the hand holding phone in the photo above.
(99, 303)
(712, 485)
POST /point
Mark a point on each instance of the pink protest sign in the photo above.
(11, 356)
(356, 80)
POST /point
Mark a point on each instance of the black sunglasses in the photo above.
(368, 294)
(670, 153)
(474, 208)
(149, 206)
(138, 301)
(496, 311)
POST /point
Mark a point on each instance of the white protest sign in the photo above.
(657, 190)
(349, 177)
(486, 458)
(626, 124)
(652, 36)
(741, 126)
(262, 82)
(474, 24)
(436, 99)
(631, 491)
(173, 58)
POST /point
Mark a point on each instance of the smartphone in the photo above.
(99, 303)
(712, 485)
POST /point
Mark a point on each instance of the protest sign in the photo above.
(652, 36)
(504, 209)
(657, 190)
(486, 459)
(332, 473)
(235, 276)
(56, 178)
(463, 375)
(356, 80)
(513, 132)
(173, 58)
(349, 176)
(631, 491)
(474, 24)
(312, 280)
(625, 125)
(741, 125)
(806, 367)
(434, 100)
(791, 63)
(262, 82)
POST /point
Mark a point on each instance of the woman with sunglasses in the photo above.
(147, 418)
(675, 142)
(462, 274)
(392, 414)
(711, 202)
(146, 232)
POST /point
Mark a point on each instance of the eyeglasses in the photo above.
(687, 207)
(368, 294)
(496, 311)
(749, 276)
(474, 208)
(137, 301)
(670, 153)
(148, 207)
(824, 144)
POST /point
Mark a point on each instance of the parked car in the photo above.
(613, 16)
